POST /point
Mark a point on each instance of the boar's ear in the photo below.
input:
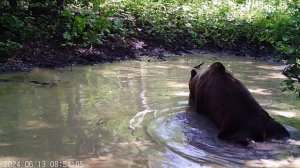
(193, 73)
(218, 66)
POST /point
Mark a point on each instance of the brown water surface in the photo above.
(133, 114)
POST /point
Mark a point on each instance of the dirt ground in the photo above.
(49, 53)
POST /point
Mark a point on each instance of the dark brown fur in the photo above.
(223, 98)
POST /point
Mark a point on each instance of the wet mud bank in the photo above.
(51, 54)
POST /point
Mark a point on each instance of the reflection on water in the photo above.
(127, 114)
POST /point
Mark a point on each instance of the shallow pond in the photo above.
(133, 114)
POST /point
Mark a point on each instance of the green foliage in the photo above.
(8, 47)
(17, 27)
(11, 25)
(291, 85)
(87, 28)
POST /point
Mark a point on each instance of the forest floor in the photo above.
(50, 54)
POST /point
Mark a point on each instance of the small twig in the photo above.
(198, 66)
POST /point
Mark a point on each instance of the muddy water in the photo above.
(133, 114)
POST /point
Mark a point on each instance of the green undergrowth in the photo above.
(225, 24)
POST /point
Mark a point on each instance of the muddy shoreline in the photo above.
(50, 54)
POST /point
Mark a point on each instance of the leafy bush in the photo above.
(11, 25)
(86, 28)
(8, 47)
